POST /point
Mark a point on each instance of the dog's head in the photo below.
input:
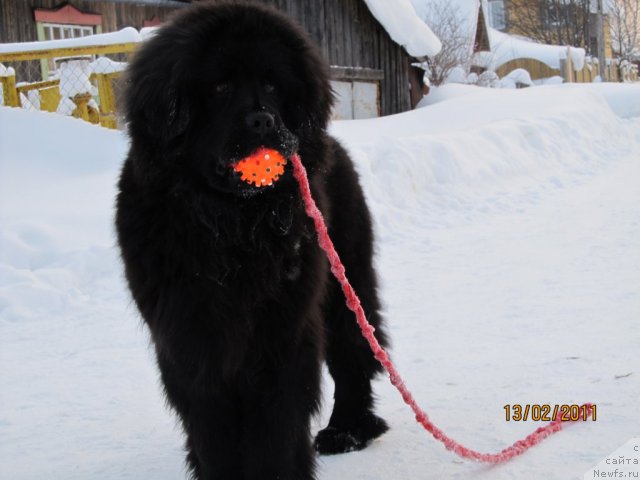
(219, 82)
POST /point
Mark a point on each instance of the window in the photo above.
(64, 23)
(497, 17)
(56, 31)
(560, 15)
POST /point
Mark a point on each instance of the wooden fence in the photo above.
(16, 93)
(539, 70)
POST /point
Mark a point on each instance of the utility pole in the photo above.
(602, 61)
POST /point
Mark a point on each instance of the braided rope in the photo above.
(353, 302)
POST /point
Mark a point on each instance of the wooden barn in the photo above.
(370, 44)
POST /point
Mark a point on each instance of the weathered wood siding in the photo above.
(345, 30)
(349, 36)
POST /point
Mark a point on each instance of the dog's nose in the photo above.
(260, 122)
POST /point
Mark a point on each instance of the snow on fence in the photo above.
(542, 61)
(614, 72)
(75, 77)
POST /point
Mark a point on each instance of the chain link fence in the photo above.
(82, 82)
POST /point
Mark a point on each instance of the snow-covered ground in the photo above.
(508, 228)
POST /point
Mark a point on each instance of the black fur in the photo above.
(228, 277)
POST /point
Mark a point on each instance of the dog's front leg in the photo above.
(213, 439)
(276, 415)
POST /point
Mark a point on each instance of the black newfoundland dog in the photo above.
(228, 276)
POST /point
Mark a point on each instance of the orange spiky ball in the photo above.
(262, 167)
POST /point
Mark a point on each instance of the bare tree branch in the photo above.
(559, 22)
(624, 17)
(448, 24)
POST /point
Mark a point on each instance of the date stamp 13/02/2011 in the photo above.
(547, 412)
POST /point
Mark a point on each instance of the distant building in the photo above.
(551, 22)
(372, 71)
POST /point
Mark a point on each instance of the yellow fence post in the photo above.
(10, 94)
(107, 99)
(82, 106)
(569, 74)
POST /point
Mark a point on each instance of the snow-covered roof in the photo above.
(505, 48)
(126, 35)
(405, 27)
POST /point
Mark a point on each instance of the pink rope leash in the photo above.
(353, 302)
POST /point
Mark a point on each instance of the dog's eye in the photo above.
(222, 88)
(269, 87)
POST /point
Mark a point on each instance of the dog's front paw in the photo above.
(334, 439)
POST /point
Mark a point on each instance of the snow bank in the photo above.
(403, 25)
(623, 98)
(453, 125)
(505, 48)
(447, 92)
(555, 80)
(45, 184)
(515, 77)
(457, 75)
(480, 106)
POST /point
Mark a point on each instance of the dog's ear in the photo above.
(320, 95)
(156, 102)
(313, 108)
